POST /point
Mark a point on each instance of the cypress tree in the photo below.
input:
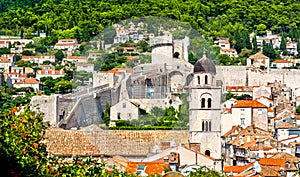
(283, 43)
(254, 43)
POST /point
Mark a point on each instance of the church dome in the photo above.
(205, 65)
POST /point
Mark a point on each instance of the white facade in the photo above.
(281, 64)
(39, 59)
(124, 110)
(85, 67)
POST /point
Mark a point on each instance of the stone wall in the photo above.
(47, 105)
(240, 76)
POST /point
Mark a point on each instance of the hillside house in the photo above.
(258, 61)
(281, 64)
(29, 82)
(39, 59)
(51, 73)
(124, 110)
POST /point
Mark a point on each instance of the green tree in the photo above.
(254, 43)
(283, 43)
(63, 86)
(83, 76)
(59, 55)
(106, 114)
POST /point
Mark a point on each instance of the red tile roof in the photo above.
(131, 57)
(28, 81)
(77, 57)
(239, 88)
(281, 61)
(248, 104)
(51, 72)
(272, 162)
(5, 60)
(237, 169)
(151, 168)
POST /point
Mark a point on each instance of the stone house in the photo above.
(124, 110)
(249, 112)
(258, 61)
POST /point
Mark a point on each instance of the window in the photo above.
(198, 79)
(119, 116)
(209, 126)
(242, 111)
(124, 105)
(129, 115)
(207, 152)
(209, 103)
(203, 103)
(206, 126)
(206, 79)
(242, 121)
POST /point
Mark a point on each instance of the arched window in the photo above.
(198, 79)
(206, 79)
(207, 152)
(209, 103)
(209, 126)
(203, 125)
(206, 126)
(203, 103)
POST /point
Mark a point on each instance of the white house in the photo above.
(52, 73)
(69, 44)
(39, 59)
(281, 64)
(291, 47)
(29, 82)
(76, 59)
(124, 110)
(5, 64)
(250, 112)
(85, 67)
(230, 52)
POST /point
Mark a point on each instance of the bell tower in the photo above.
(205, 109)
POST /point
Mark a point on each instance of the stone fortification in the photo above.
(241, 76)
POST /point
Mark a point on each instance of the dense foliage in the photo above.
(85, 18)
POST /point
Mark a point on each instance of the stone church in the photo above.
(205, 111)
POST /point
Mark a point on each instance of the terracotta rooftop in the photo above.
(258, 55)
(5, 60)
(68, 142)
(51, 72)
(151, 168)
(281, 61)
(131, 57)
(28, 81)
(248, 104)
(239, 88)
(235, 129)
(237, 169)
(39, 57)
(77, 57)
